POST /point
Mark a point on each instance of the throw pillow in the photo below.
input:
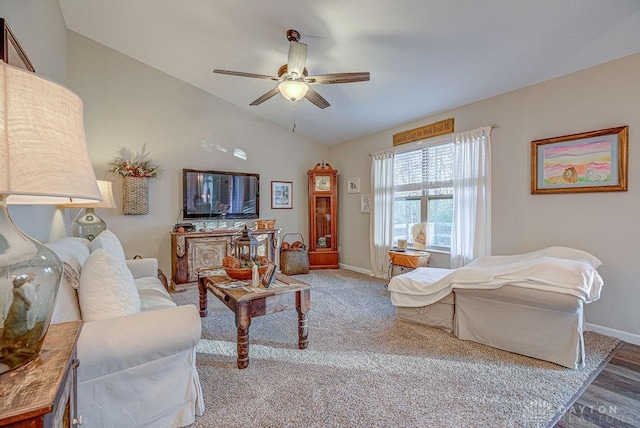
(73, 251)
(572, 254)
(107, 288)
(108, 241)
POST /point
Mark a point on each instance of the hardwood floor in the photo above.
(612, 399)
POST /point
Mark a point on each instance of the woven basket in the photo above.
(135, 196)
(294, 262)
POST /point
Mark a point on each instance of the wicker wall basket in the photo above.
(135, 196)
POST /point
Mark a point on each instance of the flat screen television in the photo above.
(220, 194)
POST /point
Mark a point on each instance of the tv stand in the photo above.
(193, 250)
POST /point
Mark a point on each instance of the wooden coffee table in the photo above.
(286, 293)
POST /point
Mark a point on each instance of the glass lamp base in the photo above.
(29, 278)
(87, 224)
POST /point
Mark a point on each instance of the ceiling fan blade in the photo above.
(265, 97)
(317, 99)
(338, 78)
(243, 74)
(297, 58)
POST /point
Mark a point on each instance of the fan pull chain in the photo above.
(293, 130)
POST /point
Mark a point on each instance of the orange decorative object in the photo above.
(231, 262)
(244, 273)
(262, 261)
(266, 224)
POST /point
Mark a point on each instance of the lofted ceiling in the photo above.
(424, 56)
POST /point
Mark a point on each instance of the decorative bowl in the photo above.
(243, 273)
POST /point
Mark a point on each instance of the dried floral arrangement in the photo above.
(128, 164)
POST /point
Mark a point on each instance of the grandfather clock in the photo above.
(323, 217)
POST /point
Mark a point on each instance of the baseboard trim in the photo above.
(622, 335)
(355, 269)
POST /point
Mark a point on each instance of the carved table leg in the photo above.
(303, 304)
(202, 290)
(243, 322)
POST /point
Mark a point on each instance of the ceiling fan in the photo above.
(294, 78)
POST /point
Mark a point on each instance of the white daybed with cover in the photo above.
(530, 304)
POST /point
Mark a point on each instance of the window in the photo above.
(423, 193)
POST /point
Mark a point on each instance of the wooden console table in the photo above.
(42, 393)
(193, 250)
(408, 259)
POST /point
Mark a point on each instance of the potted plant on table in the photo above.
(134, 169)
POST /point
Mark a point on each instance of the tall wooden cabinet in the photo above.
(323, 217)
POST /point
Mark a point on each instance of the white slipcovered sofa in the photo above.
(136, 348)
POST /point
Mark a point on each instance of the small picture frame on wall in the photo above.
(365, 204)
(353, 185)
(594, 161)
(281, 195)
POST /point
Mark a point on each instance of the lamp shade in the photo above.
(106, 192)
(43, 152)
(44, 160)
(293, 90)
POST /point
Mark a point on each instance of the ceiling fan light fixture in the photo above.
(293, 90)
(294, 77)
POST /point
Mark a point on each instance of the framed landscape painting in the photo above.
(594, 161)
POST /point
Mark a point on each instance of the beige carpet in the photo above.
(363, 368)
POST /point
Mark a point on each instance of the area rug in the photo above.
(363, 368)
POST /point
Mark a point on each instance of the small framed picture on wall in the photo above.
(281, 195)
(353, 185)
(365, 204)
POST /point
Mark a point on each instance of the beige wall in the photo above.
(605, 224)
(128, 103)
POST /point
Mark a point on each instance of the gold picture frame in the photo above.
(594, 161)
(10, 50)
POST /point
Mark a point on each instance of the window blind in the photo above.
(424, 171)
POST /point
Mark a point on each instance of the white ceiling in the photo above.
(424, 56)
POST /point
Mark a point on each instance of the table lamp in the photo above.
(87, 224)
(45, 161)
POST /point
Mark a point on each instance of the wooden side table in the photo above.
(42, 393)
(409, 259)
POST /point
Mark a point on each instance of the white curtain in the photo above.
(471, 231)
(381, 221)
